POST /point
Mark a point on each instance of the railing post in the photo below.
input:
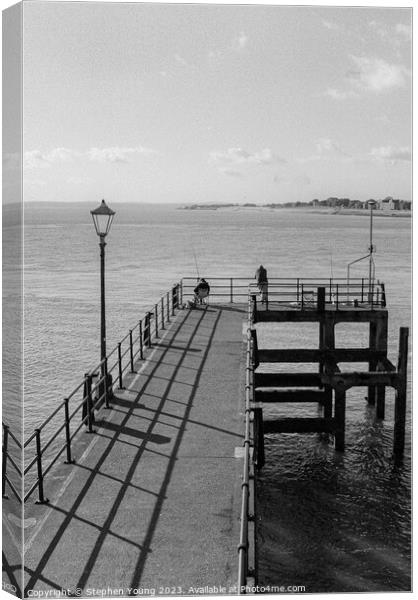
(297, 290)
(338, 296)
(302, 294)
(141, 342)
(174, 299)
(90, 411)
(162, 313)
(168, 307)
(147, 330)
(120, 366)
(400, 396)
(181, 291)
(69, 460)
(4, 459)
(330, 290)
(42, 499)
(156, 320)
(231, 290)
(131, 348)
(382, 285)
(108, 389)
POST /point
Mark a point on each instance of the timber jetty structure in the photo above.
(143, 479)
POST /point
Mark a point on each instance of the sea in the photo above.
(326, 521)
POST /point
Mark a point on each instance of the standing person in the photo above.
(262, 282)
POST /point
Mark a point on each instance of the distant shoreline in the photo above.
(326, 210)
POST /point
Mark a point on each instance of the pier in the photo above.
(152, 488)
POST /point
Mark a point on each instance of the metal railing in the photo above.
(97, 391)
(295, 292)
(244, 546)
(97, 386)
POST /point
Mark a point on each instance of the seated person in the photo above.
(201, 291)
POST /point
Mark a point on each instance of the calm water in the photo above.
(331, 523)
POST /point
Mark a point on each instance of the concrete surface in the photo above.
(151, 506)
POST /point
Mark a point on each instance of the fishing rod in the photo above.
(195, 261)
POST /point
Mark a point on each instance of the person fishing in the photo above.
(262, 282)
(201, 291)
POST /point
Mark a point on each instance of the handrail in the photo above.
(93, 396)
(156, 319)
(287, 290)
(243, 546)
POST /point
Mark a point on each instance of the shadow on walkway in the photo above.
(99, 530)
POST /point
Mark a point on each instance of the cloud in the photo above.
(327, 149)
(340, 94)
(376, 75)
(35, 159)
(236, 46)
(231, 172)
(330, 25)
(240, 42)
(239, 156)
(391, 35)
(404, 31)
(391, 153)
(326, 146)
(116, 154)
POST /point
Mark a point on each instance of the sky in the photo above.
(215, 103)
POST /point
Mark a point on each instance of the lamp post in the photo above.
(102, 219)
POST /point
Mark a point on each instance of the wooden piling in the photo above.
(381, 341)
(340, 419)
(400, 398)
(371, 390)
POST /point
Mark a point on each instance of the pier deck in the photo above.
(153, 500)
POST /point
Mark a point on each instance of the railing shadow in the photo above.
(36, 575)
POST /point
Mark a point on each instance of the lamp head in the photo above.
(102, 219)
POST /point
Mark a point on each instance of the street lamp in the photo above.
(102, 219)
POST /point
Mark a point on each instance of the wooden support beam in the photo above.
(269, 395)
(345, 380)
(299, 425)
(288, 316)
(298, 315)
(314, 355)
(287, 379)
(386, 365)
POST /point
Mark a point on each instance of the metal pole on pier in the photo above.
(372, 205)
(102, 219)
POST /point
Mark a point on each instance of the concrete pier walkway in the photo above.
(152, 504)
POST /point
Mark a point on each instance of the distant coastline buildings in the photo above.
(386, 204)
